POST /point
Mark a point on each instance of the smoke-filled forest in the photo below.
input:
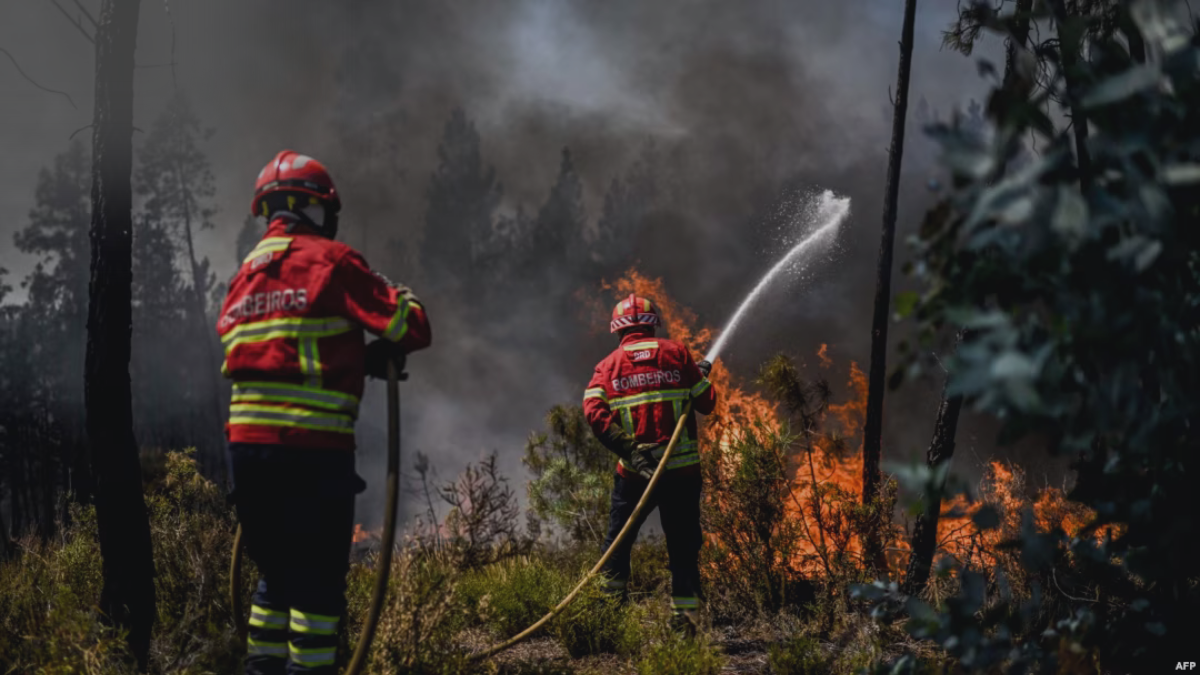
(953, 435)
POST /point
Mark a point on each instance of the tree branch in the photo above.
(86, 13)
(74, 21)
(34, 82)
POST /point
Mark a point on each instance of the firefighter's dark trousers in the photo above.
(677, 498)
(296, 507)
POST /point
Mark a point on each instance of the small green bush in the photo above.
(512, 594)
(48, 622)
(651, 571)
(798, 656)
(419, 622)
(676, 655)
(595, 623)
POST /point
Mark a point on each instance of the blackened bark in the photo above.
(924, 538)
(1069, 48)
(873, 429)
(128, 567)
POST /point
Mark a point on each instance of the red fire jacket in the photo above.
(642, 387)
(292, 327)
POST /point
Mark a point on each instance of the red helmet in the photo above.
(632, 312)
(293, 174)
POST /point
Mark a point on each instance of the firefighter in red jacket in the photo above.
(292, 328)
(633, 404)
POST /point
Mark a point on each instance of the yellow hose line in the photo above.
(359, 660)
(637, 511)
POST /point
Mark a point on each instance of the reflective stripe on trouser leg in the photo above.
(313, 647)
(266, 641)
(313, 624)
(312, 659)
(683, 604)
(267, 619)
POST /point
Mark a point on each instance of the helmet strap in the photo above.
(280, 207)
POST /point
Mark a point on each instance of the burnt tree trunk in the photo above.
(128, 567)
(873, 428)
(1070, 45)
(941, 450)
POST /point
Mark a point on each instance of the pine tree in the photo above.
(175, 177)
(47, 337)
(629, 199)
(248, 237)
(557, 243)
(462, 197)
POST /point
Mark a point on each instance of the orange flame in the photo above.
(360, 535)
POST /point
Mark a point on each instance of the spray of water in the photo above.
(829, 213)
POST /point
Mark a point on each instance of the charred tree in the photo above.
(873, 428)
(941, 450)
(124, 527)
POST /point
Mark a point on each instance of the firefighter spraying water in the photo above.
(636, 395)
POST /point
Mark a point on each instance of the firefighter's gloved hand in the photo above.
(705, 367)
(643, 460)
(378, 353)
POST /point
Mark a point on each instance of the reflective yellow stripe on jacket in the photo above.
(273, 329)
(245, 413)
(398, 326)
(277, 392)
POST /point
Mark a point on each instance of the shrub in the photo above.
(419, 621)
(676, 655)
(752, 542)
(595, 623)
(513, 593)
(650, 564)
(482, 526)
(47, 619)
(797, 656)
(572, 476)
(192, 528)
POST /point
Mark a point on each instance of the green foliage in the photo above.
(596, 623)
(800, 655)
(49, 623)
(514, 593)
(746, 519)
(572, 475)
(420, 621)
(192, 529)
(676, 655)
(1080, 305)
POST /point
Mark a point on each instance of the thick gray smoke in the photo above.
(745, 103)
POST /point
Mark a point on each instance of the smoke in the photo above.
(744, 103)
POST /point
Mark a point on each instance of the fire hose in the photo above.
(633, 517)
(359, 660)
